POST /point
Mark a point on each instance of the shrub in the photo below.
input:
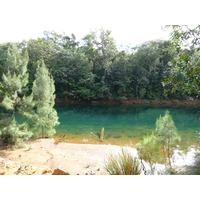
(123, 164)
(149, 149)
(10, 134)
(167, 133)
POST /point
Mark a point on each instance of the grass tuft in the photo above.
(123, 164)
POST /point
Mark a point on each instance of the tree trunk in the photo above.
(137, 92)
(168, 152)
(42, 131)
(13, 114)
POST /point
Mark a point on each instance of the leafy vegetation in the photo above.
(95, 69)
(13, 87)
(45, 115)
(36, 108)
(167, 133)
(165, 139)
(184, 75)
(149, 150)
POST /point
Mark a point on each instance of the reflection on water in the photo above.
(125, 122)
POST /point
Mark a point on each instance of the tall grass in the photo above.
(123, 164)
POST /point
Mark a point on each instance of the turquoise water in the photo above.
(122, 121)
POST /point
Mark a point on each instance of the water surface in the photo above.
(124, 122)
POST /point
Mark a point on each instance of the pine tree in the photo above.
(167, 133)
(148, 150)
(13, 88)
(15, 80)
(44, 98)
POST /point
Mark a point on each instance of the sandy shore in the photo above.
(81, 159)
(74, 158)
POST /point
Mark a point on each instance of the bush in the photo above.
(123, 164)
(149, 149)
(10, 134)
(167, 133)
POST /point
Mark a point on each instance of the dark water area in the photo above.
(125, 122)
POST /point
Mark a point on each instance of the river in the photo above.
(124, 124)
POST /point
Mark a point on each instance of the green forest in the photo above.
(34, 73)
(94, 68)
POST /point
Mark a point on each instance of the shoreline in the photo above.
(75, 159)
(153, 102)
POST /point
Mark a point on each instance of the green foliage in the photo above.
(15, 79)
(36, 108)
(38, 49)
(20, 144)
(185, 71)
(3, 58)
(94, 69)
(13, 88)
(123, 164)
(149, 64)
(43, 96)
(149, 149)
(167, 133)
(9, 134)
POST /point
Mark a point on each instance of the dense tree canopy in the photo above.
(185, 74)
(95, 69)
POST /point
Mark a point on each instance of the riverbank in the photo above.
(154, 102)
(76, 159)
(44, 155)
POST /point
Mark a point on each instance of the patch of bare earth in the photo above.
(82, 159)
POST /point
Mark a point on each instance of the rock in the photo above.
(15, 168)
(2, 166)
(33, 170)
(11, 167)
(60, 172)
(47, 172)
(91, 172)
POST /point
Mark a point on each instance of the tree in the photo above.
(148, 65)
(3, 57)
(167, 133)
(38, 49)
(100, 49)
(73, 76)
(116, 77)
(15, 79)
(149, 149)
(43, 90)
(185, 74)
(13, 88)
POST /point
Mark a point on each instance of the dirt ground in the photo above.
(76, 159)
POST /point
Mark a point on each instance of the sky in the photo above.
(131, 22)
